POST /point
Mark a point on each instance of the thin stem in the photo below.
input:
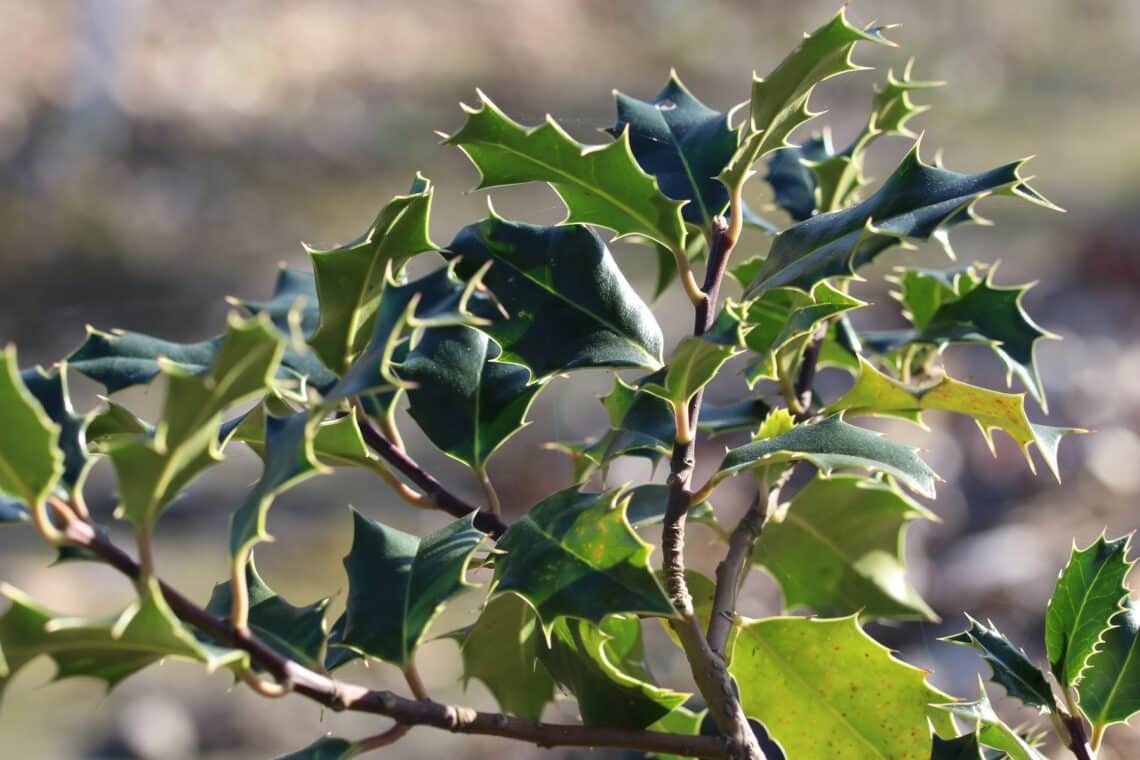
(489, 492)
(731, 569)
(485, 520)
(391, 736)
(267, 689)
(415, 683)
(339, 696)
(1097, 737)
(41, 519)
(146, 552)
(239, 592)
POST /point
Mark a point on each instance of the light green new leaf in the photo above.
(328, 748)
(839, 549)
(917, 202)
(877, 394)
(991, 730)
(1089, 594)
(153, 468)
(398, 583)
(604, 667)
(1109, 688)
(780, 100)
(501, 650)
(575, 555)
(351, 277)
(832, 444)
(466, 401)
(1011, 668)
(824, 688)
(31, 461)
(298, 633)
(599, 185)
(561, 301)
(109, 650)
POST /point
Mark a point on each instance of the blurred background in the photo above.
(156, 156)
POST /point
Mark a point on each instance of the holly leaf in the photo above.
(119, 359)
(783, 322)
(575, 554)
(564, 302)
(298, 633)
(742, 415)
(792, 180)
(1012, 670)
(351, 277)
(829, 674)
(599, 185)
(917, 202)
(647, 503)
(991, 730)
(31, 462)
(697, 359)
(839, 549)
(641, 425)
(1089, 593)
(501, 650)
(922, 292)
(603, 666)
(153, 468)
(466, 401)
(876, 394)
(1109, 688)
(959, 748)
(398, 583)
(108, 650)
(288, 459)
(832, 444)
(683, 143)
(780, 100)
(327, 748)
(49, 387)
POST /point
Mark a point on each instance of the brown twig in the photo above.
(731, 569)
(485, 521)
(407, 712)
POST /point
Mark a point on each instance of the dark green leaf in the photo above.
(832, 444)
(50, 389)
(991, 730)
(565, 304)
(465, 400)
(917, 202)
(575, 554)
(501, 650)
(792, 180)
(296, 632)
(118, 359)
(741, 415)
(1011, 668)
(960, 748)
(351, 277)
(1109, 688)
(602, 186)
(681, 142)
(838, 549)
(31, 461)
(397, 584)
(328, 748)
(647, 507)
(1089, 593)
(603, 666)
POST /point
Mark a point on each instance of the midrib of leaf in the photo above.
(108, 643)
(663, 239)
(1119, 677)
(1077, 622)
(700, 201)
(581, 560)
(792, 517)
(576, 306)
(840, 717)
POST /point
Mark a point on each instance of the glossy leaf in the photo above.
(575, 554)
(564, 303)
(327, 748)
(780, 100)
(833, 444)
(298, 633)
(697, 359)
(839, 549)
(603, 666)
(465, 400)
(876, 393)
(398, 583)
(50, 389)
(350, 278)
(792, 180)
(681, 142)
(959, 748)
(108, 650)
(152, 469)
(119, 359)
(31, 461)
(1012, 670)
(991, 730)
(916, 202)
(599, 185)
(648, 501)
(824, 688)
(1109, 688)
(1089, 594)
(501, 650)
(741, 415)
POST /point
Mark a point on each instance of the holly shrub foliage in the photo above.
(315, 379)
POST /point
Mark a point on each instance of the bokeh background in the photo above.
(156, 156)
